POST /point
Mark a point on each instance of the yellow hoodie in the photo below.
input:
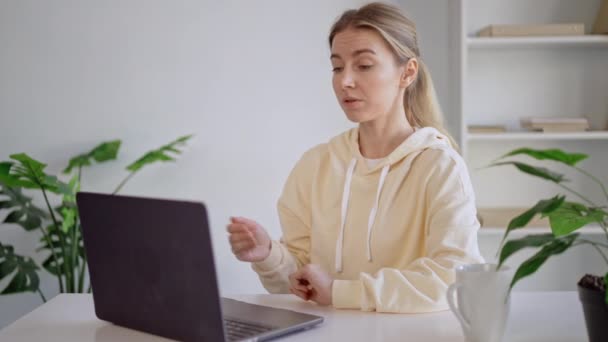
(390, 235)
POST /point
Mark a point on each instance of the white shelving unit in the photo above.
(499, 81)
(502, 80)
(536, 42)
(530, 136)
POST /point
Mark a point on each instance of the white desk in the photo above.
(535, 316)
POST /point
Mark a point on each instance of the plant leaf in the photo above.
(103, 152)
(159, 155)
(515, 245)
(557, 155)
(61, 250)
(572, 216)
(542, 207)
(25, 213)
(69, 218)
(8, 180)
(5, 168)
(13, 217)
(29, 173)
(26, 277)
(532, 264)
(606, 286)
(536, 171)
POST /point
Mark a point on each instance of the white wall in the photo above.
(250, 79)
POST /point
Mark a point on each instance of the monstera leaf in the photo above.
(23, 211)
(20, 270)
(103, 152)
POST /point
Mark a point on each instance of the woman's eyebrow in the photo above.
(354, 54)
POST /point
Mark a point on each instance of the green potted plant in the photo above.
(61, 242)
(565, 218)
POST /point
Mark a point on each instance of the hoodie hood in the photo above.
(346, 147)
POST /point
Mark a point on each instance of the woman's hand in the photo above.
(249, 241)
(311, 282)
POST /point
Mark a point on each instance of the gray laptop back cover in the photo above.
(172, 291)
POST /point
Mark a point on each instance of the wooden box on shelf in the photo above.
(601, 22)
(555, 124)
(569, 29)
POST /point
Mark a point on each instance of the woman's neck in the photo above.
(380, 137)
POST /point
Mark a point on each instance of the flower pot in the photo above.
(596, 313)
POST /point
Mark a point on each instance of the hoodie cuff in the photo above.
(346, 294)
(272, 261)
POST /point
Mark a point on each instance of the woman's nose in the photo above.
(348, 80)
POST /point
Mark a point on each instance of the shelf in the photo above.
(592, 229)
(532, 42)
(590, 135)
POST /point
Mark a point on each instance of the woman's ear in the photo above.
(409, 74)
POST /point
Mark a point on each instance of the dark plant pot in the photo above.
(596, 314)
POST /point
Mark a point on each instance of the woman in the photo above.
(378, 217)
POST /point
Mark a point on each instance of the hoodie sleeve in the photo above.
(293, 249)
(451, 240)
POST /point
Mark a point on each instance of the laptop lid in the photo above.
(151, 265)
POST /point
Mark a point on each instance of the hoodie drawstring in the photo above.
(373, 212)
(345, 196)
(372, 215)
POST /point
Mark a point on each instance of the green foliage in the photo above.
(22, 211)
(570, 159)
(103, 152)
(61, 242)
(565, 217)
(159, 155)
(21, 271)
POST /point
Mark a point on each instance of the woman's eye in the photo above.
(336, 69)
(365, 66)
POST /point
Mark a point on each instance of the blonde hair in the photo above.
(420, 100)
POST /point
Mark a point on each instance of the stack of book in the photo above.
(571, 29)
(555, 124)
(487, 128)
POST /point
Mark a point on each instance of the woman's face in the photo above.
(367, 80)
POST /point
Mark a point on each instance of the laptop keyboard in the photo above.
(237, 330)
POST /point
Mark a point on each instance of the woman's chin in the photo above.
(357, 117)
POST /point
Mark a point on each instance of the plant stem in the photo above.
(124, 181)
(603, 225)
(599, 251)
(62, 242)
(49, 241)
(579, 195)
(83, 269)
(594, 178)
(593, 242)
(74, 252)
(41, 295)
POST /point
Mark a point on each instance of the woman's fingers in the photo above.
(301, 294)
(244, 220)
(240, 246)
(234, 228)
(298, 284)
(237, 237)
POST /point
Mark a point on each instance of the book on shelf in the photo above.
(555, 124)
(601, 21)
(487, 129)
(569, 29)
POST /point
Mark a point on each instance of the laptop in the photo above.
(152, 269)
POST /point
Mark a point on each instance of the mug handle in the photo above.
(455, 309)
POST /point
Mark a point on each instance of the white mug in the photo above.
(482, 301)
